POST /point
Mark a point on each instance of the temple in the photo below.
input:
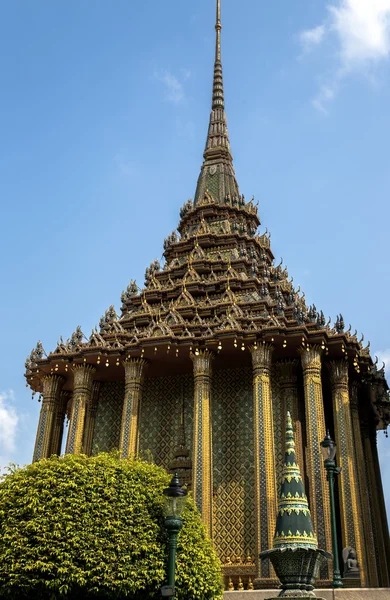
(199, 370)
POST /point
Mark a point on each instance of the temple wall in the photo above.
(233, 463)
(161, 408)
(108, 417)
(279, 423)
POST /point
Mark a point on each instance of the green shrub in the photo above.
(78, 527)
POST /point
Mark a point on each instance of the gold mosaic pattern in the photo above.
(233, 463)
(279, 426)
(350, 515)
(315, 430)
(160, 415)
(202, 451)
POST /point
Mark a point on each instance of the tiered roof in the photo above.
(218, 284)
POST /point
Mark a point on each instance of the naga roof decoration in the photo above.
(218, 282)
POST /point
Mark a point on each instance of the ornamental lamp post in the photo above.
(328, 449)
(174, 504)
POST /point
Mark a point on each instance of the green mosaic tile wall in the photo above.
(233, 458)
(278, 424)
(161, 412)
(108, 417)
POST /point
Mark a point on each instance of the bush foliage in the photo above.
(78, 527)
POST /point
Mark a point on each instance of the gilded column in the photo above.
(82, 390)
(350, 513)
(381, 512)
(90, 418)
(58, 424)
(315, 433)
(135, 369)
(372, 575)
(202, 479)
(265, 474)
(51, 389)
(288, 381)
(379, 547)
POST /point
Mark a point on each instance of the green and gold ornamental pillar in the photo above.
(52, 385)
(202, 479)
(350, 513)
(135, 369)
(265, 474)
(82, 391)
(315, 433)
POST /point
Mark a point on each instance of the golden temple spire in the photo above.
(217, 174)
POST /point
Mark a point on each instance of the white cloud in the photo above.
(325, 95)
(358, 32)
(173, 85)
(363, 30)
(8, 423)
(312, 37)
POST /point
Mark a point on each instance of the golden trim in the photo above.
(315, 432)
(135, 369)
(202, 443)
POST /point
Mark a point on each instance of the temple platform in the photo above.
(344, 594)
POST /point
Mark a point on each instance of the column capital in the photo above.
(52, 385)
(202, 362)
(338, 372)
(83, 376)
(311, 357)
(288, 371)
(262, 355)
(135, 369)
(354, 394)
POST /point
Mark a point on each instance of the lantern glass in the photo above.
(174, 506)
(328, 448)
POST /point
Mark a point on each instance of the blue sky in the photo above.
(103, 117)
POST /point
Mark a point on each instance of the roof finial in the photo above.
(218, 28)
(217, 173)
(218, 97)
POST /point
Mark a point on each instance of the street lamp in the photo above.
(328, 449)
(174, 504)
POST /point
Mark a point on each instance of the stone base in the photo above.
(352, 582)
(295, 597)
(323, 594)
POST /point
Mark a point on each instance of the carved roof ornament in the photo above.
(36, 354)
(186, 208)
(197, 252)
(96, 340)
(75, 340)
(173, 238)
(153, 268)
(129, 292)
(339, 324)
(109, 316)
(185, 298)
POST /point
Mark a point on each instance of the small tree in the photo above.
(78, 527)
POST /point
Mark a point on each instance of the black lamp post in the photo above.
(328, 449)
(174, 504)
